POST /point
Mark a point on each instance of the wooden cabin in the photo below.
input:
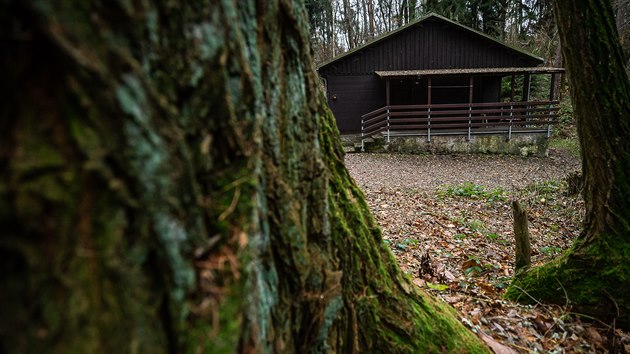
(435, 76)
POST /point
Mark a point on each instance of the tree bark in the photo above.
(172, 181)
(521, 236)
(349, 24)
(557, 62)
(371, 29)
(595, 273)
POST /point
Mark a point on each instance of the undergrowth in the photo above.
(565, 134)
(473, 190)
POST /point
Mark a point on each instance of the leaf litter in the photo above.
(448, 221)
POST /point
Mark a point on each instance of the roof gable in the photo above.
(478, 36)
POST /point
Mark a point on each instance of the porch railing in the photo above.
(460, 119)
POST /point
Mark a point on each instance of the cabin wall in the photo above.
(490, 89)
(351, 96)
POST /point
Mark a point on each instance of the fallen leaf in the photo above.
(448, 275)
(594, 336)
(539, 321)
(496, 347)
(438, 287)
(489, 289)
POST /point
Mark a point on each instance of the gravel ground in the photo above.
(376, 171)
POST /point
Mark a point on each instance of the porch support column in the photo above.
(552, 96)
(526, 90)
(512, 93)
(429, 109)
(526, 86)
(470, 101)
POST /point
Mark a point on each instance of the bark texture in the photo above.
(595, 274)
(172, 181)
(521, 236)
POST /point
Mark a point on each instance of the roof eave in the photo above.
(399, 74)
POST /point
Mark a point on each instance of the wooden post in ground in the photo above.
(521, 235)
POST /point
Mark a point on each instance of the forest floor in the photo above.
(448, 221)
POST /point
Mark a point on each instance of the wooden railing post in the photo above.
(362, 142)
(511, 117)
(388, 124)
(387, 102)
(429, 124)
(470, 99)
(429, 109)
(549, 120)
(469, 119)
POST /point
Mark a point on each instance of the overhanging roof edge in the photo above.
(469, 71)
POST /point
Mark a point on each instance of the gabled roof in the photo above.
(423, 19)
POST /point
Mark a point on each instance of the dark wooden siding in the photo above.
(355, 96)
(430, 44)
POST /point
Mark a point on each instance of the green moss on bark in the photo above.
(391, 314)
(593, 282)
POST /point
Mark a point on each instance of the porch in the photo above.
(463, 118)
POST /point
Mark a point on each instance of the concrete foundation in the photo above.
(530, 144)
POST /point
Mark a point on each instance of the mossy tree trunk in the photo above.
(172, 181)
(595, 274)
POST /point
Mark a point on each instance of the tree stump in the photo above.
(521, 235)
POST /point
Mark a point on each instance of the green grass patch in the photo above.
(548, 190)
(550, 250)
(474, 191)
(564, 131)
(570, 144)
(407, 243)
(476, 225)
(460, 236)
(493, 236)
